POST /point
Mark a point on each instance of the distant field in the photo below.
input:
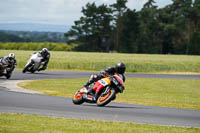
(98, 61)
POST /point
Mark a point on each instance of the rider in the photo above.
(10, 62)
(119, 68)
(46, 56)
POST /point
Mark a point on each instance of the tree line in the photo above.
(31, 36)
(173, 29)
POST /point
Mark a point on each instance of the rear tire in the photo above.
(104, 100)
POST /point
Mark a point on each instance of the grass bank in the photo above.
(98, 61)
(21, 123)
(178, 93)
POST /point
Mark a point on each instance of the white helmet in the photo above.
(44, 51)
(11, 56)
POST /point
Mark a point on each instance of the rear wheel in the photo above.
(106, 98)
(78, 97)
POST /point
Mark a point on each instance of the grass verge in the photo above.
(97, 61)
(178, 93)
(21, 123)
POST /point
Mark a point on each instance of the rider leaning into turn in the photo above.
(9, 61)
(46, 56)
(119, 68)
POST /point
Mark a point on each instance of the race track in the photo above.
(16, 102)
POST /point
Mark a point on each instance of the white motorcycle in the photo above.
(33, 63)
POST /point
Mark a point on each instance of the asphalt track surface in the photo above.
(15, 102)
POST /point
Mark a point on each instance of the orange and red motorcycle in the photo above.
(111, 86)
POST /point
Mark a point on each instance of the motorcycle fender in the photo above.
(29, 61)
(83, 90)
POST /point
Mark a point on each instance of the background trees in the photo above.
(173, 29)
(94, 28)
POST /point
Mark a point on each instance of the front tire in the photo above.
(104, 99)
(78, 98)
(26, 68)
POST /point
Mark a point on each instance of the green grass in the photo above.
(178, 93)
(21, 123)
(98, 61)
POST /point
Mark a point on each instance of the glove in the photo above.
(86, 84)
(102, 72)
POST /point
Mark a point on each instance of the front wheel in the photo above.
(26, 68)
(106, 98)
(78, 97)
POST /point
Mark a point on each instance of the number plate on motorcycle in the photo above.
(104, 82)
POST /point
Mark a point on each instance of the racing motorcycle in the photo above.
(4, 69)
(112, 85)
(34, 63)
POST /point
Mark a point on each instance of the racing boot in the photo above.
(96, 96)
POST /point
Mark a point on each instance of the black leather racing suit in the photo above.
(102, 74)
(46, 58)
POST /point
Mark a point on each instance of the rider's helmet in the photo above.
(44, 51)
(120, 68)
(11, 56)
